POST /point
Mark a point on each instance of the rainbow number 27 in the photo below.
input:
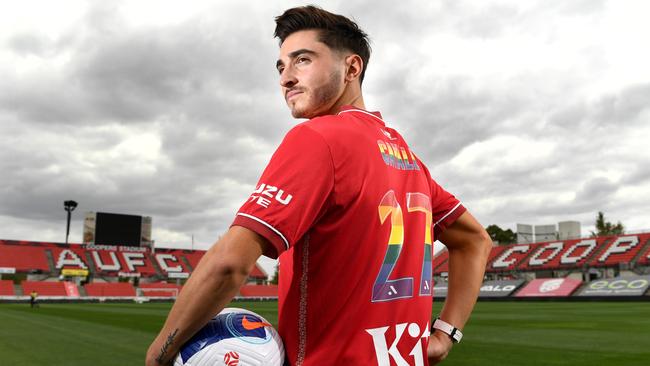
(399, 288)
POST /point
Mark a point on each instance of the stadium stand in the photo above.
(562, 254)
(109, 289)
(69, 257)
(6, 288)
(171, 261)
(23, 258)
(644, 258)
(609, 251)
(194, 258)
(510, 257)
(42, 263)
(257, 274)
(44, 288)
(440, 264)
(259, 291)
(622, 249)
(106, 262)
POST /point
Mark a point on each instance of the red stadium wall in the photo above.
(110, 289)
(153, 289)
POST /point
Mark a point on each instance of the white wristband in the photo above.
(453, 332)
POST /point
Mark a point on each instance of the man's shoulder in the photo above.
(325, 122)
(324, 126)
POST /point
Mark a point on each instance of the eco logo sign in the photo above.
(619, 286)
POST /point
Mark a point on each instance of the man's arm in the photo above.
(469, 246)
(214, 282)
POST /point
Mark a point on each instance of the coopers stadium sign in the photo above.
(619, 286)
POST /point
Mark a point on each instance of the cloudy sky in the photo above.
(529, 111)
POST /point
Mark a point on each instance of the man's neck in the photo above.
(352, 96)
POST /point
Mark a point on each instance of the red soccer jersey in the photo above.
(354, 214)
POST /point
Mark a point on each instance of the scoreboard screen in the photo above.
(118, 229)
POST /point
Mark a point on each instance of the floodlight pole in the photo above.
(69, 206)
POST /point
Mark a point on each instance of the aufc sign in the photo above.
(619, 286)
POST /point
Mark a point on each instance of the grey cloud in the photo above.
(144, 74)
(26, 44)
(621, 109)
(207, 90)
(596, 191)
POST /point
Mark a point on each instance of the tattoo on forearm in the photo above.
(163, 350)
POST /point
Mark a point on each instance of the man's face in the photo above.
(311, 74)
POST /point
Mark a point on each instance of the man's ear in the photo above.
(354, 66)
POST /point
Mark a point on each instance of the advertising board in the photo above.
(499, 288)
(544, 287)
(618, 286)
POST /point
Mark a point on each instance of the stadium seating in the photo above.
(440, 264)
(644, 258)
(194, 258)
(23, 258)
(562, 254)
(259, 291)
(171, 261)
(44, 288)
(69, 257)
(109, 289)
(510, 257)
(441, 260)
(7, 288)
(257, 274)
(621, 249)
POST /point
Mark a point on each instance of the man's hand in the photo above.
(438, 347)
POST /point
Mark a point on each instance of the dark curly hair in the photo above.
(336, 31)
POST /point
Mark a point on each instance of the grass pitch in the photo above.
(499, 333)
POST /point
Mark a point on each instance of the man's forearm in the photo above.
(466, 271)
(190, 313)
(213, 284)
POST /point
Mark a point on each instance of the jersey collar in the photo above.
(349, 108)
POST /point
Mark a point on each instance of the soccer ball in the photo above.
(235, 337)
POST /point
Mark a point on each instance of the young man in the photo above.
(33, 296)
(351, 212)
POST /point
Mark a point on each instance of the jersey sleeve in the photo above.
(445, 208)
(293, 190)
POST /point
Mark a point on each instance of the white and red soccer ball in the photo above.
(235, 337)
(231, 359)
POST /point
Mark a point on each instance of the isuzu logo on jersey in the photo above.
(403, 332)
(264, 194)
